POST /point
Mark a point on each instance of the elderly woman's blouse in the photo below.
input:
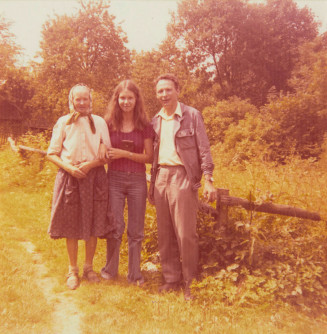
(75, 143)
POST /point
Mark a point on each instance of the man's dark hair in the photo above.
(168, 76)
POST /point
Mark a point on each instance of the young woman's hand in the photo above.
(116, 153)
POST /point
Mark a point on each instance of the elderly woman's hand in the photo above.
(75, 171)
(102, 153)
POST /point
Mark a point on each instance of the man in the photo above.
(181, 156)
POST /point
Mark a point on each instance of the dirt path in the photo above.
(66, 316)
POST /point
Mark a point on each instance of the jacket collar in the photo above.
(156, 121)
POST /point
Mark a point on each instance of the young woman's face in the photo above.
(127, 100)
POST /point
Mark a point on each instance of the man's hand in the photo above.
(209, 191)
(151, 199)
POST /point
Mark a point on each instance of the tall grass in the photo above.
(23, 307)
(117, 307)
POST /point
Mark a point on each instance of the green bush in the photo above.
(256, 258)
(225, 113)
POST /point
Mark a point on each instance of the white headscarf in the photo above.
(71, 97)
(75, 114)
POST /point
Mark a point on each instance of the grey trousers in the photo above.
(176, 205)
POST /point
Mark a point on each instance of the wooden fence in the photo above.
(224, 201)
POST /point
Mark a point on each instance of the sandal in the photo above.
(72, 280)
(91, 275)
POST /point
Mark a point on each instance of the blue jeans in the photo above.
(133, 187)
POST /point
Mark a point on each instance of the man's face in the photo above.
(81, 99)
(167, 94)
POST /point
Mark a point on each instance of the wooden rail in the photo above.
(224, 201)
(24, 148)
(220, 213)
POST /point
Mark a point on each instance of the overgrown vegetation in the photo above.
(272, 267)
(265, 113)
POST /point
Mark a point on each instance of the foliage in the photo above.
(9, 51)
(258, 258)
(28, 169)
(88, 47)
(242, 48)
(250, 139)
(18, 90)
(147, 66)
(225, 113)
(299, 125)
(257, 264)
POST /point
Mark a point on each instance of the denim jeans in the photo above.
(133, 187)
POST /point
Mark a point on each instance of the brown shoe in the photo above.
(72, 280)
(91, 275)
(168, 287)
(187, 292)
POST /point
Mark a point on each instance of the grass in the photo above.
(117, 307)
(21, 302)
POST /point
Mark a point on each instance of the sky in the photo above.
(144, 21)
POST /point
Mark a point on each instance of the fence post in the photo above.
(222, 209)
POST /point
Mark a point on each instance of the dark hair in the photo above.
(114, 115)
(168, 76)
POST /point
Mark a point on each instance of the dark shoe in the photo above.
(167, 287)
(187, 292)
(139, 282)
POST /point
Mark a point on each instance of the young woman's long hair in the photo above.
(114, 116)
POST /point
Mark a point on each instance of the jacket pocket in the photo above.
(185, 138)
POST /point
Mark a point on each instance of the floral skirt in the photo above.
(80, 207)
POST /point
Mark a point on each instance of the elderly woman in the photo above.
(80, 199)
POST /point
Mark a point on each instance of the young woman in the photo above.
(131, 139)
(80, 199)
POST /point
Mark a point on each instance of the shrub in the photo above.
(225, 113)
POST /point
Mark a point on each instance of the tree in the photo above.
(243, 49)
(15, 84)
(9, 51)
(88, 47)
(309, 74)
(302, 116)
(18, 90)
(291, 27)
(147, 66)
(298, 126)
(145, 69)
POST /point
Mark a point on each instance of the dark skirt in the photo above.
(80, 207)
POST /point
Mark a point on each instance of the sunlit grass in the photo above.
(118, 307)
(23, 307)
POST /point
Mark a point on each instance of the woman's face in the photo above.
(81, 99)
(127, 100)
